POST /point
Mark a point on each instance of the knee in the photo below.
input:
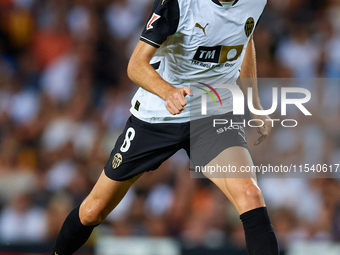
(249, 198)
(91, 214)
(253, 193)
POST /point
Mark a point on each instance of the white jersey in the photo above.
(199, 41)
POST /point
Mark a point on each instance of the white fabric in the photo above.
(227, 5)
(224, 27)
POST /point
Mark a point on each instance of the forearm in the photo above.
(248, 77)
(145, 76)
(248, 73)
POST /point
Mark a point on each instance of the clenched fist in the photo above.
(175, 101)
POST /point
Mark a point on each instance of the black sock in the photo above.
(260, 235)
(72, 236)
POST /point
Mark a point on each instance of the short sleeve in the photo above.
(258, 21)
(162, 23)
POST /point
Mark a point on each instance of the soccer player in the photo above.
(183, 41)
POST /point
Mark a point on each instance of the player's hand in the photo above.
(175, 101)
(263, 130)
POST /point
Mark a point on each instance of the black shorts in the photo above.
(145, 146)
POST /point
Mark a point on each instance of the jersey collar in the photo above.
(218, 2)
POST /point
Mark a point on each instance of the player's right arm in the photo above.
(163, 22)
(144, 75)
(249, 76)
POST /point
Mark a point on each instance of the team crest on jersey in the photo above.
(153, 19)
(249, 27)
(117, 160)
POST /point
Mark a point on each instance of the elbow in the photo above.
(137, 68)
(130, 70)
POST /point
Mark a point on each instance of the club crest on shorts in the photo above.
(117, 160)
(249, 27)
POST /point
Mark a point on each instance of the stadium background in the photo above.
(65, 97)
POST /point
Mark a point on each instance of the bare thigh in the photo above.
(104, 197)
(243, 192)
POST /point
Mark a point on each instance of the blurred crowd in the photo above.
(65, 97)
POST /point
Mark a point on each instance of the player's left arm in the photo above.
(248, 77)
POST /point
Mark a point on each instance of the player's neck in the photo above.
(226, 0)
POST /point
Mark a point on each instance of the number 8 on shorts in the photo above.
(130, 134)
